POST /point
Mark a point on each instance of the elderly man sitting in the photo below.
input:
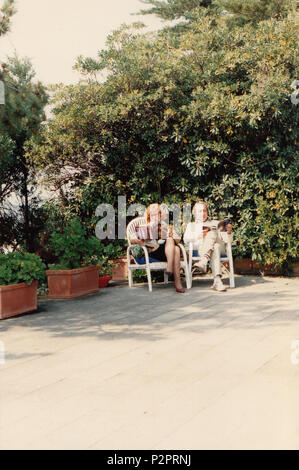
(206, 233)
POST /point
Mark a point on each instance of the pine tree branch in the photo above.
(6, 12)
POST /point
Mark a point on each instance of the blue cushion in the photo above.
(142, 260)
(195, 253)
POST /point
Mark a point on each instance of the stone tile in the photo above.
(126, 369)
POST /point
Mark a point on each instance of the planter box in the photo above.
(120, 269)
(265, 269)
(243, 266)
(295, 269)
(67, 284)
(247, 266)
(17, 298)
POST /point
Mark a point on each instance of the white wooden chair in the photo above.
(226, 258)
(148, 267)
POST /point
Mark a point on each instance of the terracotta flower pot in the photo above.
(120, 269)
(104, 280)
(17, 298)
(67, 284)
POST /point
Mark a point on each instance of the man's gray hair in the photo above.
(200, 202)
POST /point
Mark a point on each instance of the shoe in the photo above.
(181, 290)
(218, 285)
(202, 265)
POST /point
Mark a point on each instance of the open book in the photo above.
(150, 232)
(143, 232)
(221, 226)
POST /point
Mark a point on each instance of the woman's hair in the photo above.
(148, 212)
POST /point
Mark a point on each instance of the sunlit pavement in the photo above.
(129, 369)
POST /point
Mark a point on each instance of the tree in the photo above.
(118, 129)
(6, 12)
(20, 118)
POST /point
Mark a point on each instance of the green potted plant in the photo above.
(78, 270)
(20, 273)
(116, 254)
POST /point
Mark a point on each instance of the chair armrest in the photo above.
(141, 246)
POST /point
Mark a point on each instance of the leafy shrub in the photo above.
(109, 252)
(73, 248)
(16, 267)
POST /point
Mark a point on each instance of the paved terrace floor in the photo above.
(126, 369)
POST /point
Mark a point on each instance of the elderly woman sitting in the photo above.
(160, 240)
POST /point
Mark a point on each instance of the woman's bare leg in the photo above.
(169, 251)
(177, 267)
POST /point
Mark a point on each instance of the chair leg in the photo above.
(190, 263)
(165, 278)
(190, 271)
(231, 266)
(188, 276)
(231, 270)
(130, 277)
(149, 279)
(231, 275)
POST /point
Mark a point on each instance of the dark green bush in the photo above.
(16, 267)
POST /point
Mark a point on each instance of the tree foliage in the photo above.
(7, 10)
(6, 165)
(253, 11)
(174, 9)
(20, 118)
(239, 11)
(203, 114)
